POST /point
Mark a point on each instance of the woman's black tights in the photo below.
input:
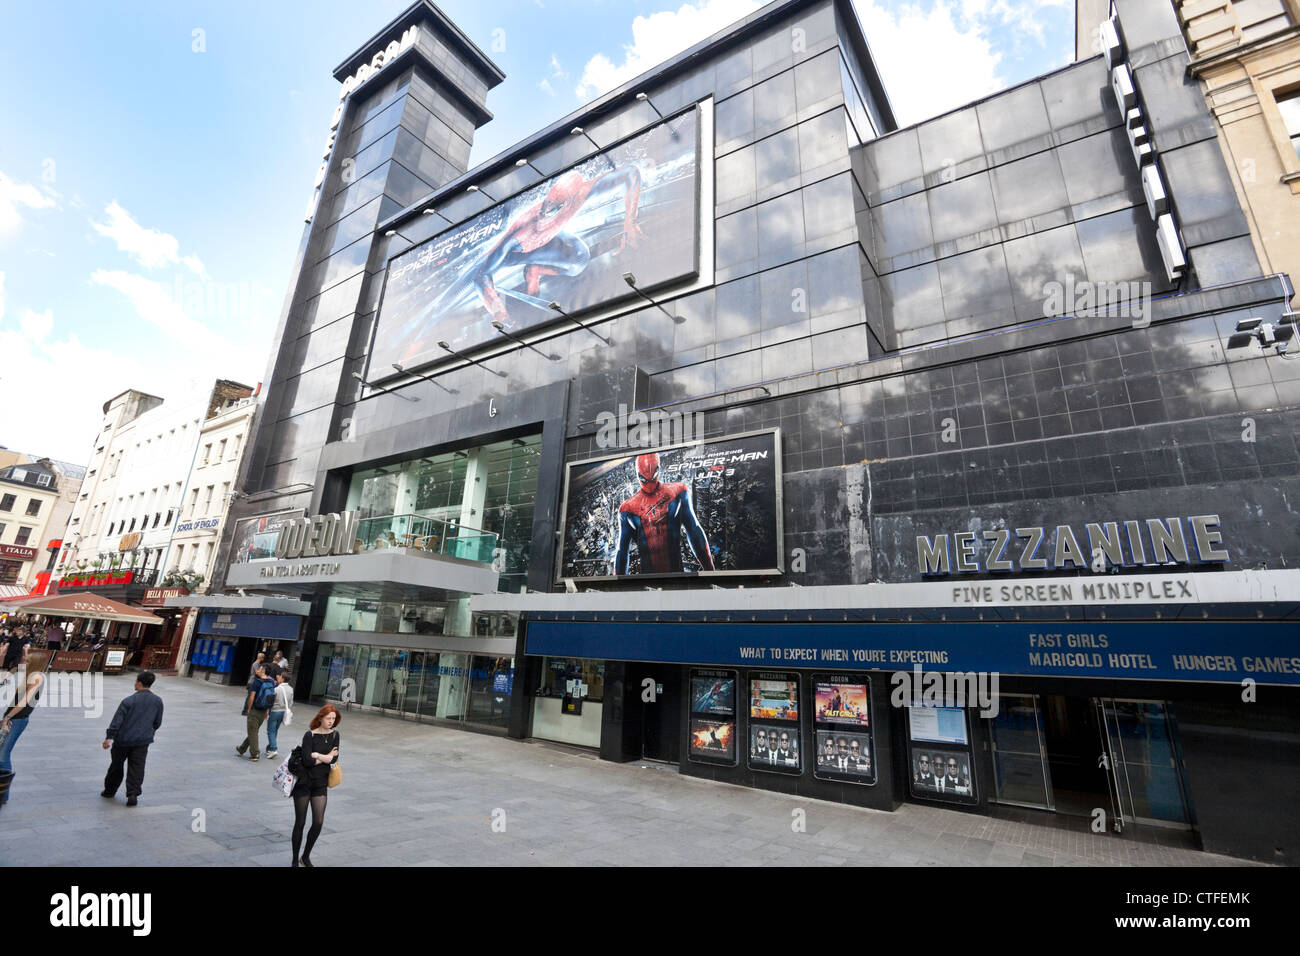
(300, 819)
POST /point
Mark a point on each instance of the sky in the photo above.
(156, 158)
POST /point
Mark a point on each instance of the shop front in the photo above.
(1125, 718)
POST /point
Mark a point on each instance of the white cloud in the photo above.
(155, 304)
(659, 37)
(545, 87)
(15, 194)
(2, 295)
(151, 248)
(937, 56)
(36, 325)
(71, 381)
(557, 71)
(929, 63)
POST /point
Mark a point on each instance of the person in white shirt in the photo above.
(281, 711)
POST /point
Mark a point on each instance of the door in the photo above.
(661, 718)
(1020, 767)
(1145, 762)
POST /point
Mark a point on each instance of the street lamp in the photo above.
(630, 279)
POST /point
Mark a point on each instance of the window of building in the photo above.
(9, 571)
(23, 535)
(221, 451)
(194, 502)
(157, 518)
(558, 671)
(132, 528)
(170, 512)
(207, 453)
(1288, 105)
(7, 503)
(207, 501)
(43, 480)
(238, 441)
(2, 531)
(19, 474)
(180, 553)
(33, 506)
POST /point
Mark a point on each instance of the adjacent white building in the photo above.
(138, 489)
(208, 488)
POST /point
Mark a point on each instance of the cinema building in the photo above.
(681, 427)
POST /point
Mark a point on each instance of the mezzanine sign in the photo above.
(317, 537)
(1144, 544)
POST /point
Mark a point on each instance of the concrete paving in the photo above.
(420, 795)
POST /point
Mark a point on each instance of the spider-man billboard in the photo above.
(712, 507)
(568, 240)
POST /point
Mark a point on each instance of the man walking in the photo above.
(261, 696)
(129, 735)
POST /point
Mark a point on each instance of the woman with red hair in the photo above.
(320, 751)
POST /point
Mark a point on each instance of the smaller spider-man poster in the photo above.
(569, 240)
(707, 508)
(255, 537)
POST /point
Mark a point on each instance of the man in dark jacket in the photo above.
(130, 735)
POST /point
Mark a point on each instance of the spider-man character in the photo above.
(653, 519)
(537, 240)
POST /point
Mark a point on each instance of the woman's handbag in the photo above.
(336, 775)
(284, 781)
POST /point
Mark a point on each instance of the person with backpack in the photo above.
(261, 696)
(281, 712)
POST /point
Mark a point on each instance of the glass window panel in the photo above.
(962, 208)
(950, 140)
(1012, 118)
(774, 105)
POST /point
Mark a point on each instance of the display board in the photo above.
(939, 754)
(255, 537)
(713, 717)
(631, 208)
(842, 729)
(706, 508)
(775, 742)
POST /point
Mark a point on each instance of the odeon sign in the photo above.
(318, 537)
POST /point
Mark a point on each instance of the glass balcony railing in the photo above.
(424, 533)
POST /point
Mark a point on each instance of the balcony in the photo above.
(424, 533)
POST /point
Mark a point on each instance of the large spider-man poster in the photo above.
(568, 240)
(712, 507)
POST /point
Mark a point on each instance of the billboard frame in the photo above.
(775, 432)
(702, 277)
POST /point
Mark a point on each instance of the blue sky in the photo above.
(155, 159)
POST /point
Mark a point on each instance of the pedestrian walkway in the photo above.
(415, 794)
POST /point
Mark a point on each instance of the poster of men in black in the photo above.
(842, 729)
(705, 508)
(774, 743)
(939, 754)
(713, 717)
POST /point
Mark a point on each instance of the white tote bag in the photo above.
(284, 781)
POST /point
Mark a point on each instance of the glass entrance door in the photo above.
(1145, 763)
(1020, 766)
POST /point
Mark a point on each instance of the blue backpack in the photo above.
(264, 696)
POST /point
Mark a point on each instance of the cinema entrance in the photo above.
(1073, 755)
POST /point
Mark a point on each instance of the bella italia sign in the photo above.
(1099, 546)
(318, 537)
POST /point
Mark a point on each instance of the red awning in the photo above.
(90, 606)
